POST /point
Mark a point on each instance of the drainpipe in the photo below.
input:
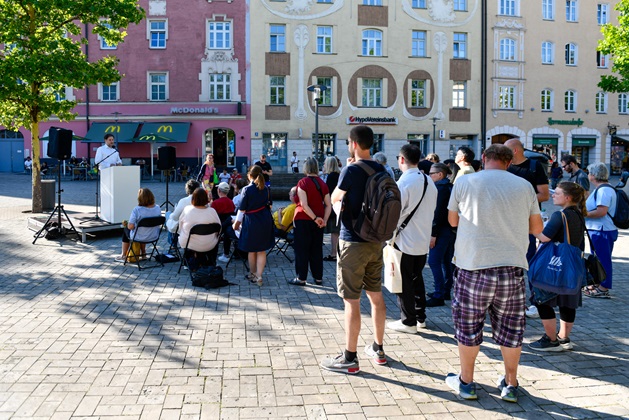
(483, 75)
(87, 93)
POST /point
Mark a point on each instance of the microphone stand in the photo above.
(96, 164)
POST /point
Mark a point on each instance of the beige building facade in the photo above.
(542, 75)
(410, 69)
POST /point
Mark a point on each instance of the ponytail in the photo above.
(576, 193)
(255, 173)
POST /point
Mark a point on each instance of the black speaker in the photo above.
(59, 143)
(166, 157)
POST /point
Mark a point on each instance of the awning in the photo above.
(122, 131)
(164, 132)
(621, 138)
(583, 141)
(546, 140)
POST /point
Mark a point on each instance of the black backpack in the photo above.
(209, 277)
(381, 208)
(621, 213)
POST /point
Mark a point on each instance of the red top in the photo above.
(315, 198)
(223, 205)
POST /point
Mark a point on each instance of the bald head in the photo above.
(517, 148)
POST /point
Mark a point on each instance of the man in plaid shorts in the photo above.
(495, 211)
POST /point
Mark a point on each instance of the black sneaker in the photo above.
(565, 343)
(339, 364)
(544, 344)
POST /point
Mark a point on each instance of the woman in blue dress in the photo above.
(255, 222)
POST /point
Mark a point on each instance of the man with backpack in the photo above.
(359, 263)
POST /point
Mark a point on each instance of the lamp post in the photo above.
(434, 133)
(316, 98)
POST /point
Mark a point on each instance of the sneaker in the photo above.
(421, 325)
(544, 344)
(467, 392)
(433, 302)
(377, 356)
(339, 364)
(565, 343)
(508, 393)
(224, 258)
(398, 326)
(531, 312)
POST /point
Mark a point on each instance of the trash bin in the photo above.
(48, 193)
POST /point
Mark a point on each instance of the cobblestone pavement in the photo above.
(84, 337)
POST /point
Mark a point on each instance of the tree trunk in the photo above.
(37, 205)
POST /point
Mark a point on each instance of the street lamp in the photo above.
(316, 98)
(434, 133)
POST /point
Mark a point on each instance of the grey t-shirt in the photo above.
(494, 208)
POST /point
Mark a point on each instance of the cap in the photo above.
(224, 187)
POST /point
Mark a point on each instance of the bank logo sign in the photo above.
(353, 120)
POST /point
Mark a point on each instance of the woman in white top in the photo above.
(198, 213)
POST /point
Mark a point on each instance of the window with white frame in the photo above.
(418, 93)
(109, 93)
(220, 87)
(507, 49)
(372, 93)
(158, 33)
(324, 39)
(278, 90)
(326, 95)
(277, 38)
(508, 7)
(506, 97)
(601, 103)
(419, 4)
(324, 1)
(219, 35)
(571, 55)
(60, 95)
(460, 5)
(372, 42)
(548, 9)
(570, 101)
(572, 9)
(158, 86)
(459, 94)
(418, 44)
(547, 100)
(459, 45)
(602, 60)
(548, 52)
(372, 2)
(103, 44)
(602, 14)
(622, 103)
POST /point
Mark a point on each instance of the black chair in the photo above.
(157, 223)
(236, 253)
(283, 241)
(200, 230)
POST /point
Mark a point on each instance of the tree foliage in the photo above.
(615, 43)
(42, 53)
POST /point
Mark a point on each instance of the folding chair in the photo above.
(157, 223)
(233, 253)
(283, 241)
(199, 230)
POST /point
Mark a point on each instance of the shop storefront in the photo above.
(581, 146)
(546, 144)
(275, 148)
(419, 140)
(221, 142)
(619, 159)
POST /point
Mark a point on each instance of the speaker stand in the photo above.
(167, 202)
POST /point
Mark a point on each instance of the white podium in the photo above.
(119, 187)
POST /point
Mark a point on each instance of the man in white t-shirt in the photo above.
(107, 155)
(294, 163)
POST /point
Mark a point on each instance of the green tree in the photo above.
(615, 43)
(42, 54)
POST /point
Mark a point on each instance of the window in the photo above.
(326, 95)
(548, 9)
(60, 95)
(571, 10)
(158, 87)
(459, 95)
(103, 44)
(601, 103)
(372, 92)
(157, 33)
(602, 14)
(419, 4)
(220, 87)
(507, 7)
(506, 98)
(507, 49)
(378, 144)
(278, 38)
(547, 100)
(418, 93)
(460, 5)
(548, 53)
(324, 1)
(324, 39)
(372, 2)
(602, 60)
(570, 101)
(571, 55)
(372, 42)
(278, 87)
(459, 45)
(622, 103)
(418, 46)
(109, 93)
(220, 35)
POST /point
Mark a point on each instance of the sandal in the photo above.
(597, 293)
(259, 281)
(296, 282)
(250, 277)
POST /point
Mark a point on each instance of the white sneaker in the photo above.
(223, 258)
(531, 312)
(398, 326)
(421, 325)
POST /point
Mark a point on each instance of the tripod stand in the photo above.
(96, 165)
(58, 210)
(167, 202)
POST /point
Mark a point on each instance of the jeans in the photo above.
(440, 262)
(412, 300)
(603, 241)
(308, 246)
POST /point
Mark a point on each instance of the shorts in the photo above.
(359, 267)
(499, 291)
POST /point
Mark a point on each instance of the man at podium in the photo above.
(107, 155)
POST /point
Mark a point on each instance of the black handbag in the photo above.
(595, 271)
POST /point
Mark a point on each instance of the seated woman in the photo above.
(203, 248)
(146, 208)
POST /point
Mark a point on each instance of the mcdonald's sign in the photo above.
(147, 138)
(113, 129)
(165, 129)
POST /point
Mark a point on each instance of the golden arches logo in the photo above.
(165, 129)
(113, 129)
(147, 138)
